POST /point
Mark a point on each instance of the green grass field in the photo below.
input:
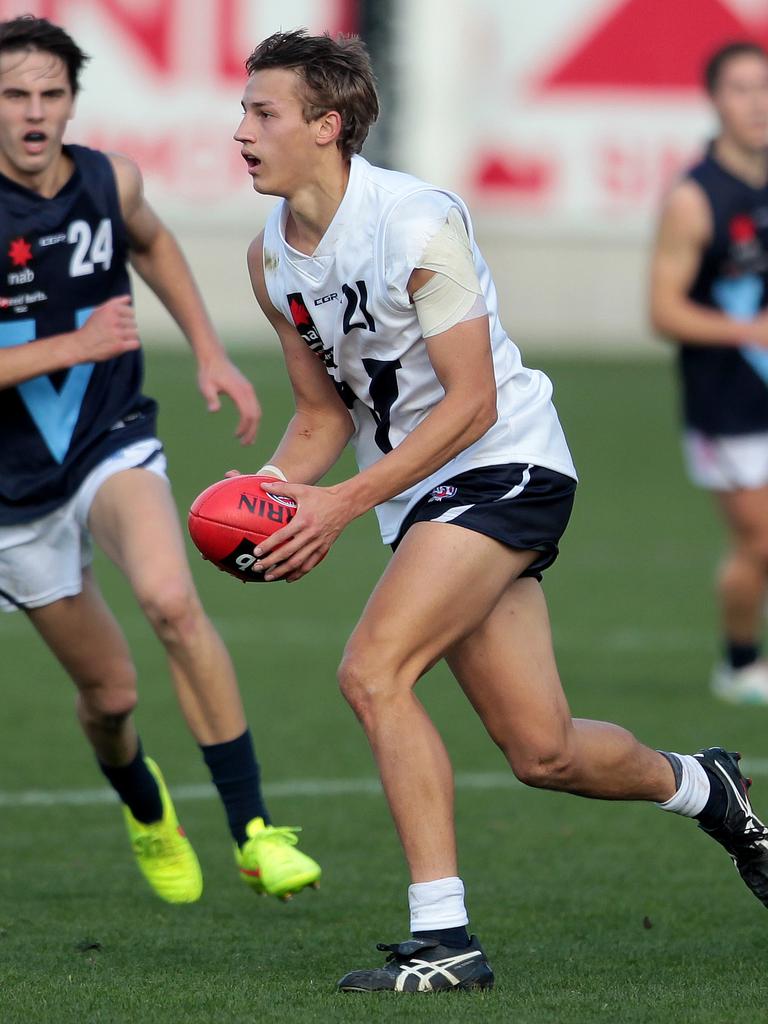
(589, 911)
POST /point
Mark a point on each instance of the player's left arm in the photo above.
(156, 256)
(462, 360)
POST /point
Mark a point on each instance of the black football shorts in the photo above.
(524, 506)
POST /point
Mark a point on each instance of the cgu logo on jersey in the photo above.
(20, 253)
(442, 492)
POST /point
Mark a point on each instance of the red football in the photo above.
(231, 517)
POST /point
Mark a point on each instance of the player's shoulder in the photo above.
(255, 255)
(126, 171)
(89, 161)
(409, 212)
(107, 172)
(257, 265)
(686, 205)
(99, 177)
(402, 195)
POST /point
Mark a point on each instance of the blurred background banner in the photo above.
(164, 86)
(569, 114)
(560, 122)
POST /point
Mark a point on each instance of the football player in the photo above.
(709, 296)
(388, 319)
(80, 460)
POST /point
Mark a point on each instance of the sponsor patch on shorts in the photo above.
(442, 492)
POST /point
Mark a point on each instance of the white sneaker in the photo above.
(748, 685)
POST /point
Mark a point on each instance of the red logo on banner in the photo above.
(155, 30)
(515, 172)
(651, 44)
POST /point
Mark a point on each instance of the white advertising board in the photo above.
(571, 115)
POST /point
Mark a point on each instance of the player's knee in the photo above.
(749, 554)
(173, 610)
(353, 682)
(363, 682)
(543, 769)
(110, 699)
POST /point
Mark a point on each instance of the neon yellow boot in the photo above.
(163, 852)
(269, 861)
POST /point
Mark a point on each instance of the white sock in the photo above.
(693, 791)
(437, 904)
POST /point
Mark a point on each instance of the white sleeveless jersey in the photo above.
(350, 304)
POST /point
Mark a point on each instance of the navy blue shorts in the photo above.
(525, 507)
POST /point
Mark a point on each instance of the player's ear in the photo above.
(328, 127)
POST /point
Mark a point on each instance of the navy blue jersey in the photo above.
(725, 389)
(59, 258)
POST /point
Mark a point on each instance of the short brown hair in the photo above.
(336, 74)
(718, 60)
(30, 33)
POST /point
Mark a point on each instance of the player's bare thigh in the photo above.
(507, 669)
(133, 519)
(440, 584)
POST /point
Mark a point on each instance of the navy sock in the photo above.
(453, 938)
(137, 787)
(235, 773)
(741, 655)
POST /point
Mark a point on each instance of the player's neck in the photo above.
(47, 182)
(313, 207)
(748, 164)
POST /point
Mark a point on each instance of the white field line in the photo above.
(366, 786)
(205, 791)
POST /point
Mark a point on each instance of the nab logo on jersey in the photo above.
(20, 253)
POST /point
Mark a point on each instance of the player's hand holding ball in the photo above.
(231, 517)
(322, 513)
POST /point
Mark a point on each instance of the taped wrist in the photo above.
(270, 470)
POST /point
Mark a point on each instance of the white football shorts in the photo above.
(727, 463)
(43, 560)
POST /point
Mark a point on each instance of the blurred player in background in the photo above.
(388, 319)
(709, 294)
(80, 459)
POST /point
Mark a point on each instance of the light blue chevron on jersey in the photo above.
(741, 297)
(55, 413)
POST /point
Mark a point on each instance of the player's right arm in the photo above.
(321, 425)
(684, 231)
(108, 332)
